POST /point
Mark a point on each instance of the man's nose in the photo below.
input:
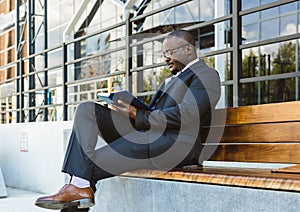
(167, 59)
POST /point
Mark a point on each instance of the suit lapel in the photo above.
(170, 85)
(157, 95)
(162, 89)
(172, 82)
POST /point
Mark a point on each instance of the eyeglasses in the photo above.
(169, 52)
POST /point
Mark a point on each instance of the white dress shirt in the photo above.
(167, 80)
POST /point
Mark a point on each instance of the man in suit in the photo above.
(167, 135)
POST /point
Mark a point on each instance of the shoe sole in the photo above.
(56, 205)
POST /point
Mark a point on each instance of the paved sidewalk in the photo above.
(20, 201)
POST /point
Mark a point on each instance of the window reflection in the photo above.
(262, 2)
(271, 23)
(272, 91)
(250, 19)
(273, 59)
(246, 4)
(191, 12)
(149, 80)
(270, 13)
(55, 36)
(288, 25)
(250, 33)
(269, 29)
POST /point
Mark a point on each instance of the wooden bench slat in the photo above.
(267, 153)
(271, 132)
(233, 177)
(278, 112)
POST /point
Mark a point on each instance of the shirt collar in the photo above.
(186, 67)
(190, 64)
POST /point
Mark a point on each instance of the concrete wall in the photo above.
(121, 194)
(31, 155)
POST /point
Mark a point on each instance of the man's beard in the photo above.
(179, 67)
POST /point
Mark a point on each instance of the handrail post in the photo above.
(65, 80)
(128, 53)
(237, 54)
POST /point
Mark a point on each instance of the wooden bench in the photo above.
(259, 134)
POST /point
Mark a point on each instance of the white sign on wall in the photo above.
(24, 141)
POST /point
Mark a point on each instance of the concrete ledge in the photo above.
(135, 195)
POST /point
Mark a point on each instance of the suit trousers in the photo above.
(127, 149)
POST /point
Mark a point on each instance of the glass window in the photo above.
(55, 58)
(229, 96)
(262, 2)
(184, 13)
(205, 36)
(269, 13)
(39, 43)
(249, 93)
(108, 15)
(222, 64)
(207, 11)
(39, 62)
(246, 4)
(250, 33)
(6, 74)
(288, 25)
(93, 44)
(288, 8)
(55, 2)
(55, 36)
(148, 80)
(270, 23)
(284, 58)
(249, 63)
(250, 19)
(60, 13)
(191, 12)
(272, 91)
(55, 77)
(273, 59)
(297, 26)
(269, 29)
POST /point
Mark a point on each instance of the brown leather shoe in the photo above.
(68, 196)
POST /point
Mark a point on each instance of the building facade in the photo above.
(56, 54)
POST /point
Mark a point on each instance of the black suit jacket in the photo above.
(180, 107)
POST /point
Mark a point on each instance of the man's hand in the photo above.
(125, 108)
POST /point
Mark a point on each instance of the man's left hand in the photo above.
(125, 108)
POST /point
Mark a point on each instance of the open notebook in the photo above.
(125, 96)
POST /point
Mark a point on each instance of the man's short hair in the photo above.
(183, 34)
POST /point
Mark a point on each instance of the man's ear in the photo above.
(189, 50)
